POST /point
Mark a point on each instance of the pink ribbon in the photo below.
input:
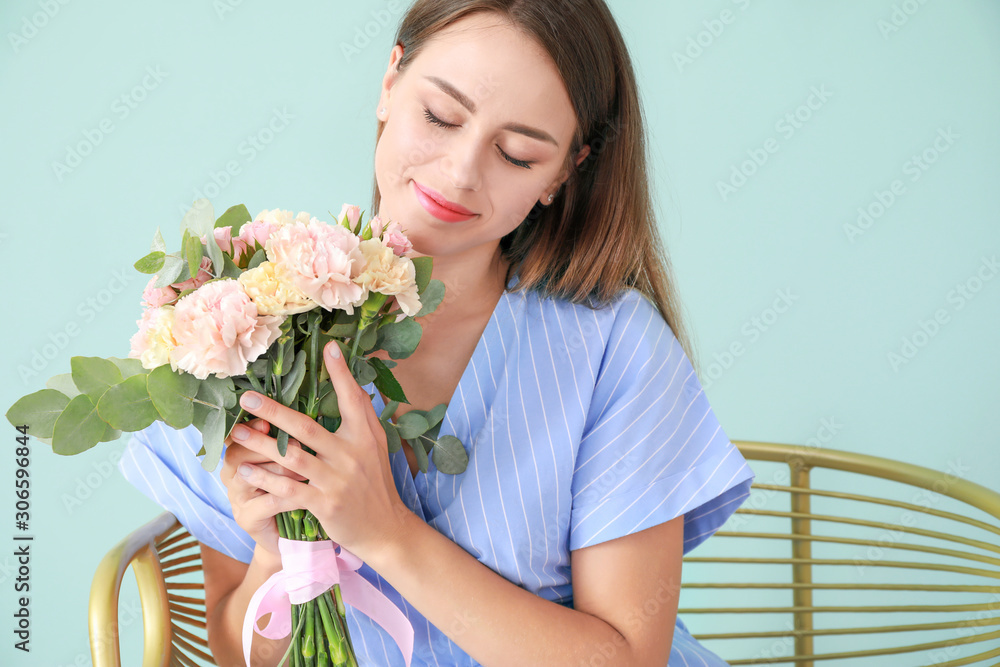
(308, 570)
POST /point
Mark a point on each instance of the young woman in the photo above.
(510, 145)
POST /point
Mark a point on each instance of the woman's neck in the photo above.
(473, 284)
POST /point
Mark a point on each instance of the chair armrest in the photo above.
(138, 550)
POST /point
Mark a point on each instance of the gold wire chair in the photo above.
(786, 570)
(166, 560)
(825, 549)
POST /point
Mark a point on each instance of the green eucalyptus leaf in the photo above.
(282, 442)
(215, 253)
(173, 395)
(63, 383)
(328, 404)
(290, 383)
(128, 367)
(341, 330)
(450, 456)
(171, 272)
(386, 382)
(391, 436)
(93, 375)
(431, 298)
(363, 371)
(234, 218)
(39, 411)
(368, 338)
(259, 367)
(419, 452)
(229, 268)
(436, 414)
(399, 339)
(157, 244)
(127, 406)
(150, 263)
(217, 392)
(211, 422)
(242, 383)
(411, 425)
(389, 410)
(258, 258)
(78, 428)
(199, 218)
(422, 266)
(110, 433)
(193, 251)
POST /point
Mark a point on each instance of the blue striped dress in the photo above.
(581, 426)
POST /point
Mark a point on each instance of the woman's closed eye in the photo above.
(434, 120)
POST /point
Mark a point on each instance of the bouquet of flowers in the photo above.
(249, 303)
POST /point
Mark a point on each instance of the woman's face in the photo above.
(481, 121)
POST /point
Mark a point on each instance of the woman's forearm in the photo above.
(493, 620)
(225, 626)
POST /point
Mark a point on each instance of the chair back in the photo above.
(850, 559)
(166, 560)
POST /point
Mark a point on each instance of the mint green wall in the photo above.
(173, 95)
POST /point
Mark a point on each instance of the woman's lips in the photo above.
(439, 207)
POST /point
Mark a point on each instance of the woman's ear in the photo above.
(390, 77)
(581, 155)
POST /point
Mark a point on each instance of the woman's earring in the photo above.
(381, 112)
(551, 197)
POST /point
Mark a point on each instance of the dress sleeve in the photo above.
(162, 462)
(652, 448)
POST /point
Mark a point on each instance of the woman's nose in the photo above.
(461, 163)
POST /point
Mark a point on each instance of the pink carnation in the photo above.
(218, 331)
(396, 239)
(321, 261)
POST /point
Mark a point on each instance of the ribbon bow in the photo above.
(308, 570)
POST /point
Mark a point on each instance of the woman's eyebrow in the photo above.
(467, 102)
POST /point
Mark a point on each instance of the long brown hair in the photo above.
(600, 235)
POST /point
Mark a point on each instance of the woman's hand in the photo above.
(350, 489)
(254, 508)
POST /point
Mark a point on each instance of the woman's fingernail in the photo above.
(240, 432)
(333, 350)
(250, 400)
(244, 470)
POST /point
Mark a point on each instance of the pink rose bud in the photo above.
(154, 297)
(234, 247)
(395, 238)
(377, 226)
(204, 275)
(353, 214)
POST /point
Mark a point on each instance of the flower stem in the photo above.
(333, 634)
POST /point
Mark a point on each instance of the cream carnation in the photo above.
(320, 261)
(219, 332)
(387, 273)
(272, 292)
(154, 341)
(279, 218)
